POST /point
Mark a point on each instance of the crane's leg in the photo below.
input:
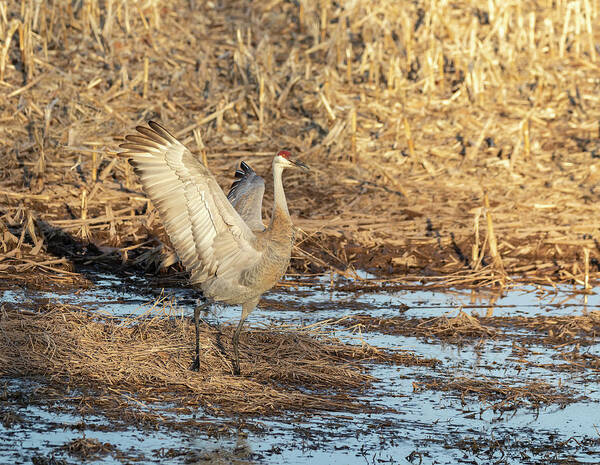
(236, 341)
(196, 365)
(246, 310)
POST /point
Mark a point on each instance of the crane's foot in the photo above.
(195, 366)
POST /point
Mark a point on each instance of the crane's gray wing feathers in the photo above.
(246, 196)
(210, 237)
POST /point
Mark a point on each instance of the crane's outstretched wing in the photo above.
(246, 195)
(209, 236)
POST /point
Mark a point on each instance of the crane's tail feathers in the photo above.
(243, 170)
(242, 174)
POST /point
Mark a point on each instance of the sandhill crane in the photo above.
(221, 241)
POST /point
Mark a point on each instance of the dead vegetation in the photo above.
(137, 361)
(452, 144)
(86, 448)
(556, 331)
(450, 329)
(455, 142)
(502, 396)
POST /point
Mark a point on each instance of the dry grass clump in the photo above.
(26, 255)
(148, 360)
(569, 361)
(451, 329)
(581, 361)
(501, 396)
(558, 330)
(447, 138)
(86, 448)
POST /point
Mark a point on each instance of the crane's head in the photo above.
(283, 160)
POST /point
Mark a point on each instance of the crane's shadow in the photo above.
(91, 263)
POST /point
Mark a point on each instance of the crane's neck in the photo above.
(280, 209)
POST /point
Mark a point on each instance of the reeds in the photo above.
(406, 112)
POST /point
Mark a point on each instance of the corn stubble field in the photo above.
(408, 113)
(451, 144)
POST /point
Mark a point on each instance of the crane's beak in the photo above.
(300, 165)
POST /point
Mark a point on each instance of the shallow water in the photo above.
(422, 426)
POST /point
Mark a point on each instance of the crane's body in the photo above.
(274, 245)
(221, 241)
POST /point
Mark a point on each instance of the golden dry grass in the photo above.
(137, 362)
(454, 143)
(408, 113)
(451, 329)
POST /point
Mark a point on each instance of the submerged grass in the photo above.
(555, 331)
(503, 396)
